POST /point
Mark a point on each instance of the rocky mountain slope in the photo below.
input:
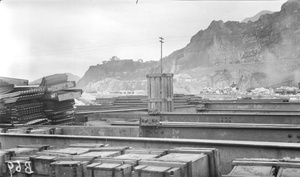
(255, 54)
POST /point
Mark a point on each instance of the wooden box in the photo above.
(252, 170)
(156, 171)
(68, 168)
(4, 156)
(89, 169)
(41, 164)
(19, 152)
(112, 170)
(288, 172)
(181, 167)
(197, 163)
(213, 157)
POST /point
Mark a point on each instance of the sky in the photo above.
(44, 37)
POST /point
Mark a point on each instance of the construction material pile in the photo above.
(219, 91)
(88, 160)
(51, 102)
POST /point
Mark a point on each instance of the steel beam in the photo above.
(229, 150)
(224, 131)
(251, 105)
(257, 118)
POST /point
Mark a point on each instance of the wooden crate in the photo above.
(19, 152)
(213, 157)
(41, 164)
(160, 93)
(4, 156)
(288, 172)
(198, 163)
(68, 168)
(156, 171)
(89, 169)
(252, 170)
(181, 167)
(112, 170)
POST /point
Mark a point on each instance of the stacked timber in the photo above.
(286, 167)
(91, 160)
(51, 102)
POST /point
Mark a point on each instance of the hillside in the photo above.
(116, 74)
(256, 54)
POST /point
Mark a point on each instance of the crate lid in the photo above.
(107, 166)
(137, 156)
(182, 157)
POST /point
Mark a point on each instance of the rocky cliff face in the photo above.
(259, 53)
(254, 54)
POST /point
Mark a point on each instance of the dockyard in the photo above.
(160, 134)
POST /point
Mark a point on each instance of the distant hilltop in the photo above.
(262, 52)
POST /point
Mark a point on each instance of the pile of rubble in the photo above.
(220, 91)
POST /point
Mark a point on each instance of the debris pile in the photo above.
(51, 102)
(220, 91)
(261, 91)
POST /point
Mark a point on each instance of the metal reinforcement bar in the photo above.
(253, 117)
(229, 150)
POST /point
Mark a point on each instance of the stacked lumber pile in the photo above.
(245, 167)
(51, 102)
(89, 160)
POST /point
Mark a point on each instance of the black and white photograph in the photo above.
(149, 88)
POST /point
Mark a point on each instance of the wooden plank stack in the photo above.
(99, 160)
(52, 102)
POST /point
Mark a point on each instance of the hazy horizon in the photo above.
(45, 37)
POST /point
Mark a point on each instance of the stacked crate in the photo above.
(98, 160)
